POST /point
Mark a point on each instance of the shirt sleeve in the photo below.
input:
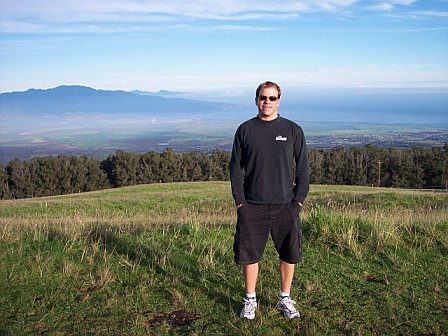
(236, 171)
(302, 171)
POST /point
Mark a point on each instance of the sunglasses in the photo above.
(271, 98)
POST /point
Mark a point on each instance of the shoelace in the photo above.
(249, 305)
(289, 304)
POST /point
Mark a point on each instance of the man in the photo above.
(269, 175)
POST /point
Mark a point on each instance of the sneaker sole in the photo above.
(286, 314)
(289, 317)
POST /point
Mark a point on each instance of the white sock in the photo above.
(251, 296)
(284, 295)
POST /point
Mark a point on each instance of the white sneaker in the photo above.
(286, 306)
(248, 311)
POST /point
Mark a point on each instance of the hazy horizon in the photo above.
(345, 104)
(353, 117)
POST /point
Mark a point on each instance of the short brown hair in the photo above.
(268, 84)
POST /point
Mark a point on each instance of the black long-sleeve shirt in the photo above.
(269, 162)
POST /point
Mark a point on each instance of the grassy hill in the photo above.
(157, 259)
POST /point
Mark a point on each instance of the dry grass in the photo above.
(108, 262)
(349, 217)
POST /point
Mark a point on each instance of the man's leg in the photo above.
(286, 276)
(285, 303)
(286, 234)
(251, 236)
(250, 301)
(250, 277)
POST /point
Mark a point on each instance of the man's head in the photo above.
(268, 84)
(267, 99)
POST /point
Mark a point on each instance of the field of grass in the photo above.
(157, 260)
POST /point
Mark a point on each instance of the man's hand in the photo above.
(239, 206)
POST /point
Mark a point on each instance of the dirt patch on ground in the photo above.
(178, 318)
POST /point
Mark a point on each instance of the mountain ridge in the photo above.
(83, 99)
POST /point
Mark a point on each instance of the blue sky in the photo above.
(226, 46)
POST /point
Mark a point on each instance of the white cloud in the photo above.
(390, 5)
(403, 2)
(382, 7)
(147, 15)
(102, 9)
(431, 13)
(370, 75)
(394, 75)
(235, 27)
(46, 14)
(410, 30)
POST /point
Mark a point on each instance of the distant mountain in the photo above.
(64, 100)
(144, 93)
(161, 93)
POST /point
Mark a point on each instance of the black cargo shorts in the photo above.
(257, 221)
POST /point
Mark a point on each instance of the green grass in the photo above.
(157, 259)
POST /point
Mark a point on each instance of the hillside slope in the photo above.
(157, 259)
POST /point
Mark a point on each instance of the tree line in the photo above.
(365, 166)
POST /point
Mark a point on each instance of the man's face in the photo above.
(267, 109)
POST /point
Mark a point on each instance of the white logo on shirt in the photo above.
(280, 138)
